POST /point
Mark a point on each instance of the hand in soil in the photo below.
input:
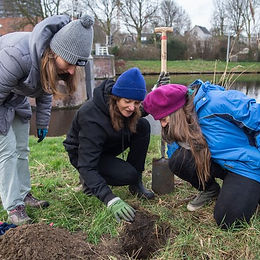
(121, 210)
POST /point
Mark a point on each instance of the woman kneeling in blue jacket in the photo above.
(216, 134)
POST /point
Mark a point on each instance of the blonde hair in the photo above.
(184, 127)
(50, 77)
(118, 120)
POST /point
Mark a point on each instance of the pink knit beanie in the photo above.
(165, 100)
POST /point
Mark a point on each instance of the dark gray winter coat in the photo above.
(20, 55)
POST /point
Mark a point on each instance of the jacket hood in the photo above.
(101, 95)
(39, 40)
(201, 96)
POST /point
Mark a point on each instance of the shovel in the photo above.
(162, 177)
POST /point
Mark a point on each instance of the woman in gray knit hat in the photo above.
(31, 64)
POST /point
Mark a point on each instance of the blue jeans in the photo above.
(14, 168)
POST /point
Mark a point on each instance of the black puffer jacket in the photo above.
(91, 135)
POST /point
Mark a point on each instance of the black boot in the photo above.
(140, 190)
(85, 188)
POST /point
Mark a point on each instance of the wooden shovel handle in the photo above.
(163, 31)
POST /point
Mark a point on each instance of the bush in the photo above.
(176, 50)
(145, 52)
(119, 66)
(114, 51)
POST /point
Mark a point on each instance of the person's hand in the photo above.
(121, 210)
(163, 79)
(41, 133)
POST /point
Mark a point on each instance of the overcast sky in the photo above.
(200, 11)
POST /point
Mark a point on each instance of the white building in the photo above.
(200, 32)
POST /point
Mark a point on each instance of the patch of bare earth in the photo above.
(139, 240)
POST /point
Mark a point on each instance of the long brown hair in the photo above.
(50, 77)
(118, 121)
(184, 127)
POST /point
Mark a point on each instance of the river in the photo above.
(248, 84)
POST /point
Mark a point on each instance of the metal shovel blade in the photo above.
(162, 177)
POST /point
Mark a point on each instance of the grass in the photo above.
(194, 66)
(193, 235)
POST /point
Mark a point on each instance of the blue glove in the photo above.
(41, 133)
(5, 226)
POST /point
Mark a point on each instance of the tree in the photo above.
(183, 22)
(136, 14)
(235, 9)
(106, 12)
(169, 11)
(250, 7)
(33, 11)
(174, 16)
(51, 7)
(219, 17)
(30, 10)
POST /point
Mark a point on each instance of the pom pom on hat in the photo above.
(130, 85)
(87, 21)
(165, 100)
(73, 42)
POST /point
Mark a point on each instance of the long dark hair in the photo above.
(117, 120)
(184, 127)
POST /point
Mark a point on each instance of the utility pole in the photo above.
(228, 46)
(74, 9)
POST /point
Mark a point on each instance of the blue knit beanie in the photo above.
(130, 85)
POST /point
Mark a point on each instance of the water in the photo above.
(61, 119)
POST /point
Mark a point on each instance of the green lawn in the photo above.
(194, 235)
(148, 66)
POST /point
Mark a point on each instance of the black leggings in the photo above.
(239, 195)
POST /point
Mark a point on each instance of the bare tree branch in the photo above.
(136, 14)
(169, 11)
(219, 17)
(106, 13)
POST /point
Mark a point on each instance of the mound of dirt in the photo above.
(40, 242)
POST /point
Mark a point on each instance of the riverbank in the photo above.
(152, 67)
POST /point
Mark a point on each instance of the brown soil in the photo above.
(139, 240)
(143, 237)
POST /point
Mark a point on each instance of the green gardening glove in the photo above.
(121, 210)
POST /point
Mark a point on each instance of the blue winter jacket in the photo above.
(230, 122)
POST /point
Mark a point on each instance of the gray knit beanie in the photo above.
(73, 42)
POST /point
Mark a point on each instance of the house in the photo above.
(200, 32)
(147, 37)
(11, 17)
(199, 38)
(12, 24)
